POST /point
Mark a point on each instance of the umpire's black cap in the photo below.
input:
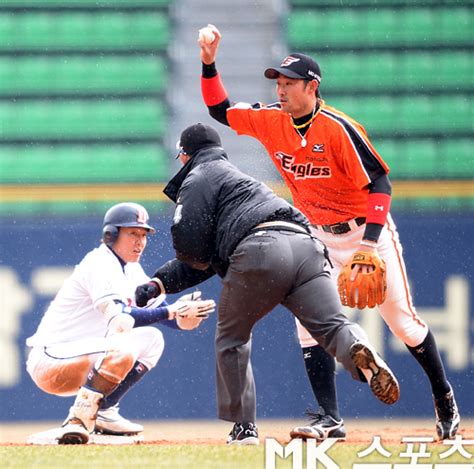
(298, 66)
(196, 137)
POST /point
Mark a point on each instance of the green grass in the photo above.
(198, 456)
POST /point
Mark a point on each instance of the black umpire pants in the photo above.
(269, 268)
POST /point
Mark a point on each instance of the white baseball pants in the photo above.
(397, 311)
(62, 369)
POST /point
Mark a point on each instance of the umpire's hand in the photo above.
(146, 292)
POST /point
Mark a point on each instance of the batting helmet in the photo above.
(127, 214)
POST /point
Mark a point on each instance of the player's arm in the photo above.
(123, 318)
(362, 281)
(214, 94)
(378, 206)
(176, 276)
(172, 277)
(194, 221)
(213, 91)
(369, 172)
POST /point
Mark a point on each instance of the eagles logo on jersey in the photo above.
(302, 170)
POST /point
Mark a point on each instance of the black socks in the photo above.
(321, 369)
(134, 375)
(428, 357)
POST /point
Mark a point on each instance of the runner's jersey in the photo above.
(328, 177)
(73, 314)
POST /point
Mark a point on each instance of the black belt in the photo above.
(280, 226)
(343, 227)
(293, 227)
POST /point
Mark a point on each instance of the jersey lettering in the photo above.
(300, 170)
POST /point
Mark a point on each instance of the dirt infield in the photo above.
(205, 432)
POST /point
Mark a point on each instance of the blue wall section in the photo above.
(182, 385)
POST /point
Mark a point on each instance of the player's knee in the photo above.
(307, 342)
(304, 337)
(154, 349)
(398, 331)
(410, 334)
(413, 336)
(155, 337)
(116, 365)
(223, 342)
(227, 346)
(64, 380)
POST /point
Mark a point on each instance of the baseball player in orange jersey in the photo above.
(340, 182)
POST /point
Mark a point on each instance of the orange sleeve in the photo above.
(213, 90)
(245, 120)
(361, 161)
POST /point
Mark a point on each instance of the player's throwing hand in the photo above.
(209, 49)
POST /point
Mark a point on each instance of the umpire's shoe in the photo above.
(447, 416)
(382, 381)
(322, 426)
(243, 434)
(110, 422)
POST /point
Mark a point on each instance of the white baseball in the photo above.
(206, 35)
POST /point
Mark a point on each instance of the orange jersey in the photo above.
(327, 177)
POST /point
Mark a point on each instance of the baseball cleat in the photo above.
(322, 427)
(243, 434)
(110, 422)
(73, 433)
(447, 416)
(382, 381)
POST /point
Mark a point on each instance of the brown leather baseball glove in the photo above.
(368, 289)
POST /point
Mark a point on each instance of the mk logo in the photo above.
(315, 453)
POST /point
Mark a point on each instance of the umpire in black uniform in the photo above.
(228, 223)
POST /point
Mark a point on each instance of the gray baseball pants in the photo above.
(269, 268)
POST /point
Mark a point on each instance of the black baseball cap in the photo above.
(196, 137)
(298, 66)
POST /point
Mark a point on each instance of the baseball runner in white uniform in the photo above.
(93, 341)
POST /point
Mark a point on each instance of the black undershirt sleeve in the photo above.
(372, 232)
(176, 276)
(219, 112)
(381, 185)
